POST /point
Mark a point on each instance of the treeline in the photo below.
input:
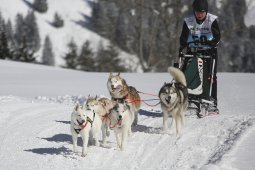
(103, 60)
(22, 43)
(151, 30)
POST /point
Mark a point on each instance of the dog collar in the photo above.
(119, 122)
(83, 125)
(120, 100)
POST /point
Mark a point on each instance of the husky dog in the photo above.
(83, 122)
(121, 119)
(121, 92)
(102, 107)
(174, 100)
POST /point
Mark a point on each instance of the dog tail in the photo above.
(177, 75)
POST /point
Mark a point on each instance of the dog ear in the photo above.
(124, 82)
(76, 106)
(165, 83)
(126, 106)
(110, 75)
(96, 97)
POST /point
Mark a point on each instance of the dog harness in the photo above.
(82, 125)
(120, 100)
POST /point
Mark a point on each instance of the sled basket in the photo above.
(196, 76)
(192, 74)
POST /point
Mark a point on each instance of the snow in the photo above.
(35, 109)
(249, 19)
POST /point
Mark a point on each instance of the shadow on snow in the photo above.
(146, 129)
(151, 113)
(51, 151)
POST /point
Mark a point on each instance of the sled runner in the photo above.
(198, 68)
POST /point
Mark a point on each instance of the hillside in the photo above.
(72, 12)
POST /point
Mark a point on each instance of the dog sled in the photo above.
(198, 68)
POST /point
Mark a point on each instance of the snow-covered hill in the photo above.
(36, 103)
(72, 12)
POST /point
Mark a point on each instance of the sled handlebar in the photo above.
(207, 43)
(199, 56)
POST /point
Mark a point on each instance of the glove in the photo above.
(210, 43)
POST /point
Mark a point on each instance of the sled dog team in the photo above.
(121, 111)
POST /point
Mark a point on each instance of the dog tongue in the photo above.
(120, 121)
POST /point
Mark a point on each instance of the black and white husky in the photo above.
(174, 100)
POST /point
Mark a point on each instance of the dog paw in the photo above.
(178, 136)
(97, 144)
(75, 150)
(83, 155)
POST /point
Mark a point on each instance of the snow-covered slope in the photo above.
(36, 104)
(72, 12)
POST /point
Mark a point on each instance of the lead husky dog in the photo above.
(83, 122)
(121, 120)
(174, 100)
(121, 92)
(102, 107)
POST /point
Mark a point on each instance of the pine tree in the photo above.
(4, 45)
(86, 61)
(32, 32)
(58, 21)
(71, 56)
(108, 60)
(19, 30)
(40, 5)
(48, 56)
(22, 53)
(10, 34)
(27, 39)
(102, 23)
